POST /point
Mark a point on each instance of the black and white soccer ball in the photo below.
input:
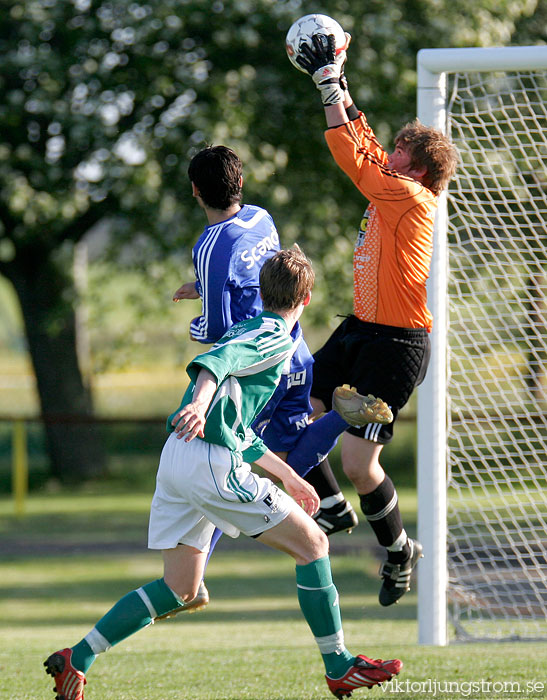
(304, 28)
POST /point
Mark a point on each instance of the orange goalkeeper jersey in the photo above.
(395, 241)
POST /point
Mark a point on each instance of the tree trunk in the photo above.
(45, 292)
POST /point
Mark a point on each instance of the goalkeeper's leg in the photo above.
(379, 503)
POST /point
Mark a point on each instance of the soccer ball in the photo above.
(304, 28)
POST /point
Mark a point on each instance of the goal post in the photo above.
(489, 241)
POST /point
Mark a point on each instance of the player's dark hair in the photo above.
(286, 279)
(429, 147)
(216, 172)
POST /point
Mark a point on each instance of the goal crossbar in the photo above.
(438, 61)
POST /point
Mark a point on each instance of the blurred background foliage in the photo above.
(102, 104)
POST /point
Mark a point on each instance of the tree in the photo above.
(102, 103)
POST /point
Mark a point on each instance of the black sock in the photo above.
(381, 509)
(322, 478)
(336, 508)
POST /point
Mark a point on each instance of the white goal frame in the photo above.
(433, 67)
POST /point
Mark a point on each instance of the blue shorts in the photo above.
(285, 416)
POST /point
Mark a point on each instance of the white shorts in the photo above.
(200, 486)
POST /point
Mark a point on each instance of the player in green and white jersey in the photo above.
(205, 480)
(246, 364)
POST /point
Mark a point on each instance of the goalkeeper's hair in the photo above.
(286, 279)
(429, 147)
(216, 172)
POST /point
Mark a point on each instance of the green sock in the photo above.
(83, 656)
(130, 614)
(318, 600)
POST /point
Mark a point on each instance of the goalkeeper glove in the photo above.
(325, 68)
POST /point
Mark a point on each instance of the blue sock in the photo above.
(318, 600)
(217, 534)
(316, 442)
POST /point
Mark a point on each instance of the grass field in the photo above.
(71, 557)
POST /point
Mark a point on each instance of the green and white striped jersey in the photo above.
(247, 363)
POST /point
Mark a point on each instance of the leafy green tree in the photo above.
(102, 102)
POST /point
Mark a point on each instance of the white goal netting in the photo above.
(497, 356)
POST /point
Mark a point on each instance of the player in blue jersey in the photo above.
(227, 259)
(205, 479)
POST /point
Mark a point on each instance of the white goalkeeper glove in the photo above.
(324, 66)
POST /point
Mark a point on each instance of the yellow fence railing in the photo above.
(19, 467)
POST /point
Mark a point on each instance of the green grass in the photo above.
(72, 557)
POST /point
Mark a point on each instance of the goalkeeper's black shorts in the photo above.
(385, 361)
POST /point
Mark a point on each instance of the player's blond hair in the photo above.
(286, 279)
(429, 147)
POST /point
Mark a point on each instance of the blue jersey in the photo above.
(228, 257)
(287, 412)
(227, 260)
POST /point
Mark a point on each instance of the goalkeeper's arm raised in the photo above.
(327, 71)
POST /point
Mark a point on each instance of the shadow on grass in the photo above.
(349, 613)
(252, 590)
(55, 530)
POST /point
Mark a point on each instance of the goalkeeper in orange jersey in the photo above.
(383, 346)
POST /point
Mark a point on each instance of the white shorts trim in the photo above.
(200, 486)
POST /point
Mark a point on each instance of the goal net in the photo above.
(496, 352)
